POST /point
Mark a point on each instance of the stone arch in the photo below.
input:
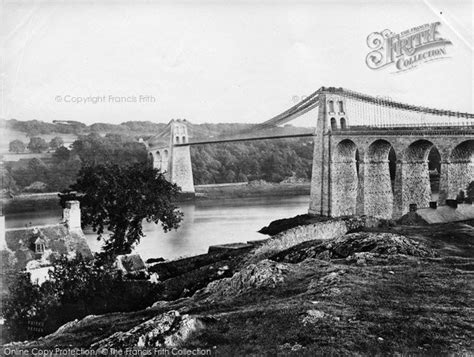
(345, 150)
(418, 150)
(463, 152)
(344, 179)
(377, 193)
(151, 159)
(434, 171)
(412, 183)
(378, 151)
(164, 160)
(159, 160)
(461, 168)
(333, 124)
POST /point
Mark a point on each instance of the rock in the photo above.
(325, 286)
(165, 330)
(296, 347)
(66, 326)
(159, 304)
(222, 270)
(312, 316)
(264, 274)
(361, 248)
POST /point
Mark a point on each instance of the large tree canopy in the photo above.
(118, 199)
(17, 146)
(56, 142)
(37, 144)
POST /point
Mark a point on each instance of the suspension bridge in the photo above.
(353, 136)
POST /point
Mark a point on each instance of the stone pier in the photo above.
(378, 195)
(412, 186)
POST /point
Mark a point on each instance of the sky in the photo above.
(215, 62)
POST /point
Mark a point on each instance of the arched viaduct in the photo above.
(351, 173)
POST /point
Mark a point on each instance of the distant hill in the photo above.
(70, 130)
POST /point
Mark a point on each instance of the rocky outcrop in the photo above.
(169, 329)
(264, 274)
(356, 246)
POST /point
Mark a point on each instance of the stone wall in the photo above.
(460, 176)
(344, 188)
(320, 230)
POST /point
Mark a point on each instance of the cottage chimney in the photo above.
(72, 215)
(3, 240)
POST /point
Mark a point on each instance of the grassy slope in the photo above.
(406, 305)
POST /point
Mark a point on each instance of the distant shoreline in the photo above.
(34, 202)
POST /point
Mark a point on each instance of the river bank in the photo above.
(45, 201)
(252, 189)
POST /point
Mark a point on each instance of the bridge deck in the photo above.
(406, 131)
(230, 140)
(356, 131)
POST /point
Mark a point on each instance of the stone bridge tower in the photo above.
(332, 116)
(174, 158)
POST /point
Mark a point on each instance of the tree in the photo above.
(96, 150)
(119, 199)
(76, 287)
(37, 144)
(61, 154)
(56, 142)
(18, 307)
(9, 186)
(17, 146)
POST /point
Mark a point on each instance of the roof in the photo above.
(56, 237)
(40, 240)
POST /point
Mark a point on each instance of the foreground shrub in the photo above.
(76, 288)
